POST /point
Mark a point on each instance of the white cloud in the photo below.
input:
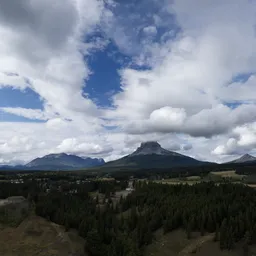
(192, 72)
(25, 141)
(247, 135)
(73, 145)
(240, 91)
(27, 112)
(243, 140)
(208, 122)
(43, 42)
(168, 116)
(228, 148)
(12, 80)
(56, 123)
(150, 30)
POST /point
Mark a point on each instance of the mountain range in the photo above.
(148, 155)
(61, 161)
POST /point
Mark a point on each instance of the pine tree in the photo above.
(217, 233)
(210, 224)
(223, 234)
(93, 243)
(188, 230)
(245, 249)
(202, 231)
(230, 239)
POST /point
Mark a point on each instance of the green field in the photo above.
(217, 177)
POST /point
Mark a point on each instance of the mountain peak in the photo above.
(247, 155)
(150, 148)
(245, 158)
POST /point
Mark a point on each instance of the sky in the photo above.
(98, 77)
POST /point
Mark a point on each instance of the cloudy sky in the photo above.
(96, 78)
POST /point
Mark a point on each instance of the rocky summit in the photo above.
(149, 148)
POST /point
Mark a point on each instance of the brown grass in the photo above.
(193, 178)
(228, 174)
(36, 236)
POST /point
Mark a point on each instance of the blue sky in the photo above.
(10, 97)
(103, 81)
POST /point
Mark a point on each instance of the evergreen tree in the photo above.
(217, 233)
(93, 243)
(223, 234)
(188, 230)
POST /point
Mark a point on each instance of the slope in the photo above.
(37, 236)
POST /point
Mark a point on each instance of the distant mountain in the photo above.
(63, 162)
(244, 159)
(152, 155)
(11, 167)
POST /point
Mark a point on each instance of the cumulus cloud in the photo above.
(243, 140)
(229, 148)
(168, 116)
(73, 145)
(206, 123)
(43, 43)
(192, 72)
(25, 141)
(150, 30)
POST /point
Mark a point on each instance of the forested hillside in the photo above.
(228, 210)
